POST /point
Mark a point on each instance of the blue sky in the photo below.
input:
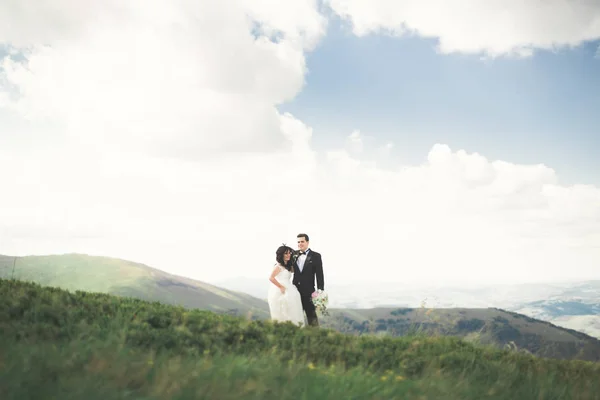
(542, 109)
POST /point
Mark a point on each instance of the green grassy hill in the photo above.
(126, 278)
(57, 344)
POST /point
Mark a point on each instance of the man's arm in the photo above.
(294, 270)
(319, 273)
(295, 278)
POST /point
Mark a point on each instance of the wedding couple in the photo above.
(289, 298)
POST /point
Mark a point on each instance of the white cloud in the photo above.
(457, 217)
(179, 78)
(494, 27)
(107, 90)
(355, 141)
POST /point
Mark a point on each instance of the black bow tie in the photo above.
(302, 252)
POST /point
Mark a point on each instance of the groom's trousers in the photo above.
(309, 309)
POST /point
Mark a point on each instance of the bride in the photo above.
(284, 298)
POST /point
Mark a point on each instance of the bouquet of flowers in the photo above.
(320, 300)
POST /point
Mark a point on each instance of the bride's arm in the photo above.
(274, 281)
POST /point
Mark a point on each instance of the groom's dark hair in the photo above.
(304, 235)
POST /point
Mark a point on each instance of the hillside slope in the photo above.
(130, 279)
(57, 344)
(485, 325)
(126, 278)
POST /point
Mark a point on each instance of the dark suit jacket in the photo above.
(313, 268)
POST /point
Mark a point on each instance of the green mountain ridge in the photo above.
(496, 327)
(491, 326)
(130, 279)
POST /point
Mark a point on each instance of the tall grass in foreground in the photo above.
(61, 345)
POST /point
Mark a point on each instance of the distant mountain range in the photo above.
(570, 305)
(479, 322)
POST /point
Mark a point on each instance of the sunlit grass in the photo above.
(61, 345)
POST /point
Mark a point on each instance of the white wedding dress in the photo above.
(288, 306)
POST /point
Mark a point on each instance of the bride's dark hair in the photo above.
(279, 257)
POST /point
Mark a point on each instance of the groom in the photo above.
(308, 266)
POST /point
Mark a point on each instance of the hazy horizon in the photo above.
(428, 283)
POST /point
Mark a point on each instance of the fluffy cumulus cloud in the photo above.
(493, 27)
(150, 131)
(181, 78)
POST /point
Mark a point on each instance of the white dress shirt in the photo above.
(302, 259)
